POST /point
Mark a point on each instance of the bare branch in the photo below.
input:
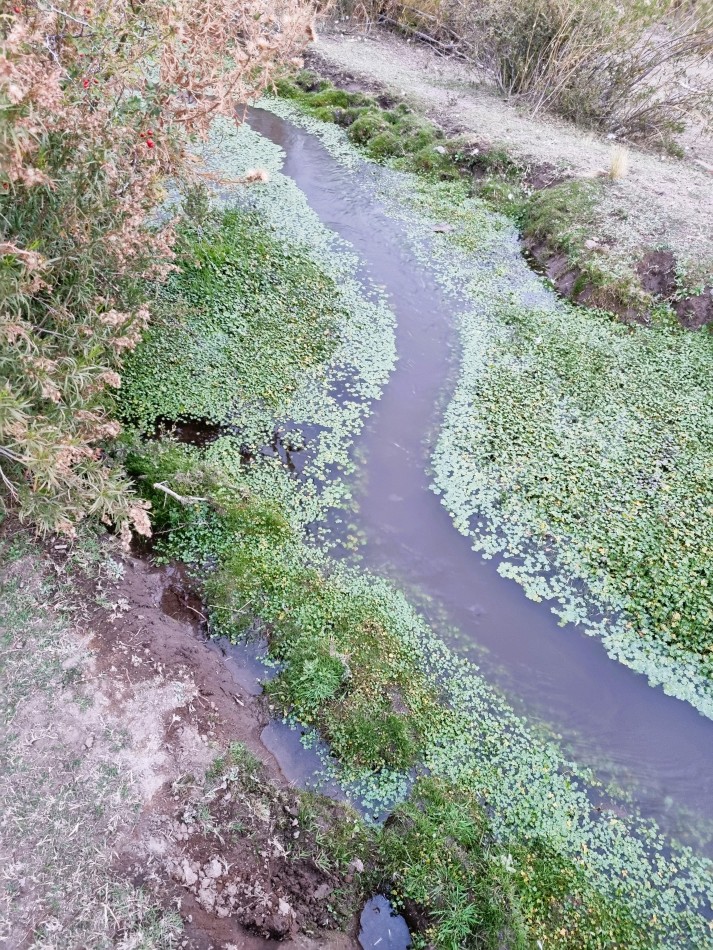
(184, 499)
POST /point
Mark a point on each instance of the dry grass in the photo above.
(630, 68)
(68, 794)
(619, 163)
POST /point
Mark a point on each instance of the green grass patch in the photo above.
(345, 669)
(465, 889)
(563, 214)
(245, 319)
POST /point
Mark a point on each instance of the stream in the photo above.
(657, 747)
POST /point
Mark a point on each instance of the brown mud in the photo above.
(246, 889)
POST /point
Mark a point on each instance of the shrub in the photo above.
(97, 106)
(635, 69)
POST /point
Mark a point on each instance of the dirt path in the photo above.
(661, 201)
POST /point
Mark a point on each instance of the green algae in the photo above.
(458, 728)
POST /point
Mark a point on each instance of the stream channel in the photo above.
(658, 748)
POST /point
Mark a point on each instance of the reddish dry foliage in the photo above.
(97, 106)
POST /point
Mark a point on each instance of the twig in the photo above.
(184, 499)
(68, 16)
(8, 484)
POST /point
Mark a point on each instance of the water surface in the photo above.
(658, 746)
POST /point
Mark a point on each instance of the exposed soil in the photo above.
(153, 674)
(238, 852)
(657, 271)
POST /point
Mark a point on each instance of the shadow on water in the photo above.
(659, 744)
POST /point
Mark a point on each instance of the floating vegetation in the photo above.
(576, 449)
(356, 660)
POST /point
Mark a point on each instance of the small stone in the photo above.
(441, 149)
(89, 742)
(189, 875)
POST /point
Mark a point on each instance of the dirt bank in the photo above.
(136, 700)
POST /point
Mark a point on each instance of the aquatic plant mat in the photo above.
(528, 846)
(575, 448)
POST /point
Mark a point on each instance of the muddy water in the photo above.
(657, 746)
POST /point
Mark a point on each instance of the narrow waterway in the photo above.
(658, 746)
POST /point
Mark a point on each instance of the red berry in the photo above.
(17, 9)
(150, 143)
(85, 83)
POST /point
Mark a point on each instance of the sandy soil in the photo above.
(141, 702)
(661, 203)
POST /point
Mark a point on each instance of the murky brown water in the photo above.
(659, 746)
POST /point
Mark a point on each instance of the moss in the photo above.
(384, 145)
(428, 160)
(563, 214)
(505, 196)
(336, 98)
(371, 734)
(419, 138)
(369, 124)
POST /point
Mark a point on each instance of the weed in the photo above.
(619, 163)
(246, 318)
